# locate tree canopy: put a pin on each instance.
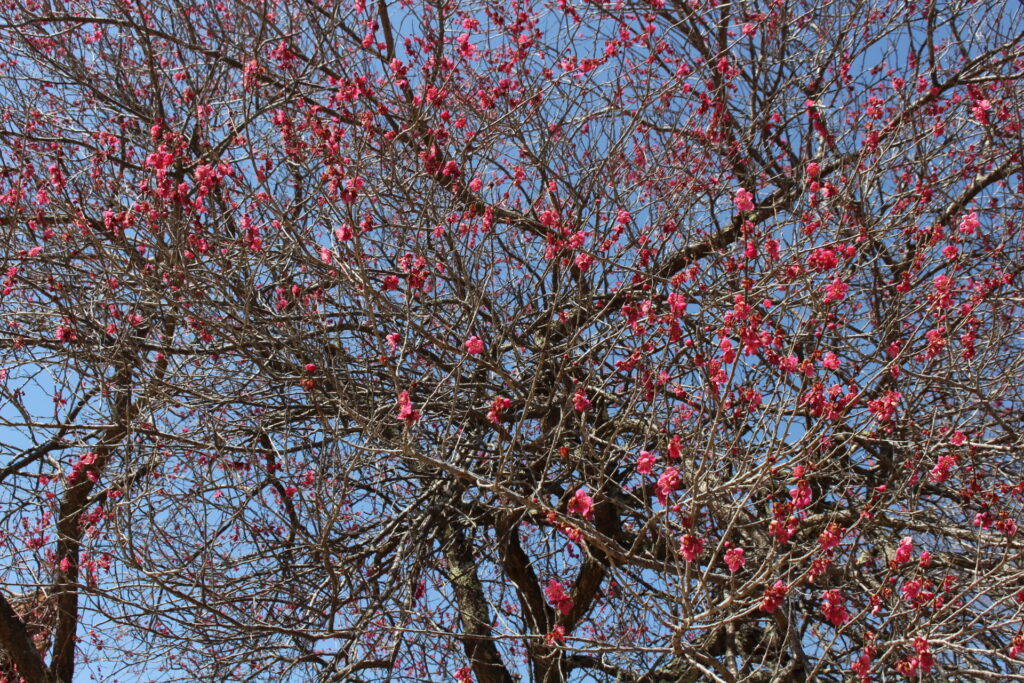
(654, 341)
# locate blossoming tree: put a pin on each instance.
(655, 341)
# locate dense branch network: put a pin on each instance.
(648, 342)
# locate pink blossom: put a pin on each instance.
(801, 495)
(1017, 645)
(910, 590)
(743, 200)
(343, 233)
(675, 448)
(451, 168)
(734, 559)
(831, 361)
(498, 406)
(1008, 527)
(862, 667)
(834, 609)
(924, 656)
(884, 408)
(823, 259)
(645, 462)
(667, 484)
(584, 261)
(466, 48)
(728, 352)
(830, 537)
(474, 345)
(905, 550)
(557, 597)
(690, 547)
(405, 409)
(66, 333)
(580, 401)
(556, 636)
(969, 223)
(836, 291)
(581, 504)
(783, 529)
(56, 176)
(774, 596)
(943, 465)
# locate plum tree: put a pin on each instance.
(658, 341)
